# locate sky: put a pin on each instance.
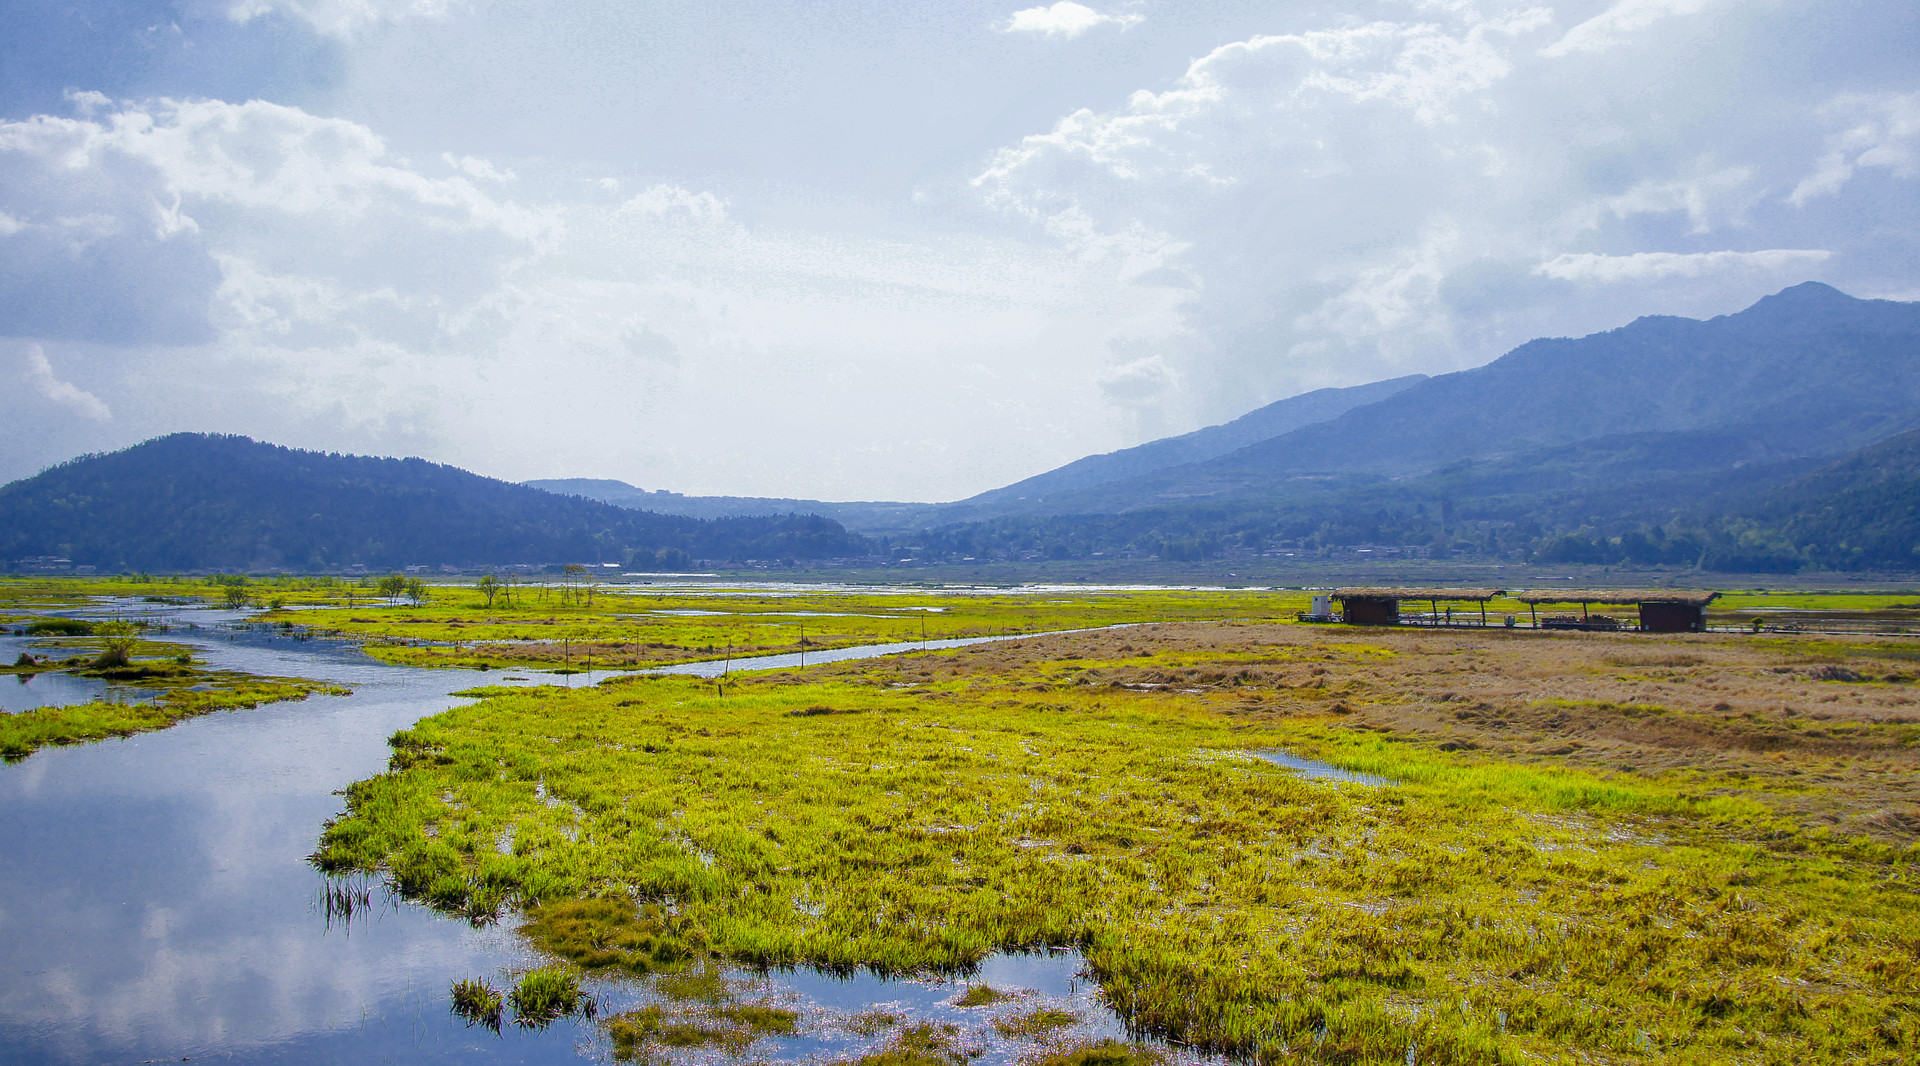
(902, 250)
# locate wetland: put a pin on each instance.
(1210, 833)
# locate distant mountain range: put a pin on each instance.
(196, 501)
(1781, 437)
(1666, 440)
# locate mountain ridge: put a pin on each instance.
(207, 501)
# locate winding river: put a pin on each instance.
(156, 905)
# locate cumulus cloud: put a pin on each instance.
(64, 393)
(1653, 266)
(1064, 19)
(162, 221)
(1405, 190)
(1617, 25)
(1883, 131)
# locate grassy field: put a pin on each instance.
(644, 627)
(1595, 847)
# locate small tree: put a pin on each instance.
(489, 587)
(393, 586)
(416, 591)
(235, 596)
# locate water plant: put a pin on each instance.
(549, 993)
(478, 1002)
(979, 996)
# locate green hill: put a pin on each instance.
(196, 501)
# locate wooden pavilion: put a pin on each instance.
(1661, 610)
(1381, 606)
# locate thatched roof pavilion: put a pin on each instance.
(1690, 597)
(1661, 610)
(1447, 595)
(1381, 606)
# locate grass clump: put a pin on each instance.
(1105, 1053)
(979, 996)
(1035, 1023)
(924, 1044)
(734, 1027)
(547, 994)
(478, 1003)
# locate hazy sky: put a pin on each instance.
(898, 250)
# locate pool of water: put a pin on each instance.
(156, 903)
(1314, 768)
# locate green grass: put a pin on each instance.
(622, 631)
(1475, 911)
(547, 994)
(478, 1003)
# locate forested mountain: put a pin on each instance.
(1261, 424)
(1810, 370)
(856, 515)
(193, 501)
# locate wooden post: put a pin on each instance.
(1483, 614)
(1534, 610)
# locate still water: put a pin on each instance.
(156, 905)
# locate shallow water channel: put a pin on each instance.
(155, 901)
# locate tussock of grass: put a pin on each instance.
(734, 1027)
(547, 994)
(979, 996)
(925, 1044)
(478, 1003)
(1035, 1023)
(1105, 1053)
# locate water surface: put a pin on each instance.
(156, 902)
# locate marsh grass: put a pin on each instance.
(1035, 1023)
(733, 1027)
(632, 631)
(1493, 906)
(341, 900)
(547, 994)
(186, 693)
(478, 1003)
(979, 996)
(872, 1022)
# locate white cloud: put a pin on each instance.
(661, 200)
(478, 168)
(1715, 197)
(1654, 266)
(1064, 19)
(10, 225)
(1884, 131)
(1618, 24)
(340, 18)
(66, 394)
(1140, 383)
